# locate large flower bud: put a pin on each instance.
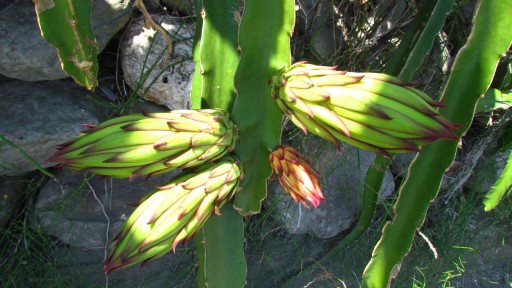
(148, 144)
(371, 111)
(174, 213)
(296, 175)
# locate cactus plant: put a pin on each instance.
(244, 69)
(67, 26)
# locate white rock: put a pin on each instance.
(160, 77)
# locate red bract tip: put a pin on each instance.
(134, 204)
(132, 177)
(174, 244)
(90, 126)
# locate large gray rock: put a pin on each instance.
(79, 267)
(27, 56)
(81, 212)
(342, 178)
(389, 14)
(162, 77)
(316, 21)
(274, 255)
(37, 116)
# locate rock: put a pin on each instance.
(391, 13)
(487, 263)
(184, 7)
(68, 209)
(315, 21)
(274, 255)
(79, 267)
(342, 179)
(11, 196)
(324, 43)
(166, 79)
(27, 56)
(38, 116)
(6, 4)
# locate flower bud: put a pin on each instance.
(296, 175)
(174, 213)
(149, 144)
(371, 111)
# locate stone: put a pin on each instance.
(81, 211)
(342, 178)
(184, 7)
(315, 20)
(158, 76)
(37, 116)
(27, 56)
(79, 267)
(488, 261)
(324, 43)
(468, 10)
(391, 14)
(274, 255)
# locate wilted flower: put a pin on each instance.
(174, 213)
(148, 144)
(371, 111)
(296, 175)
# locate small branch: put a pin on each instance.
(108, 227)
(430, 245)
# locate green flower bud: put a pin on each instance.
(371, 111)
(174, 213)
(149, 144)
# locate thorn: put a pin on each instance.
(134, 204)
(90, 126)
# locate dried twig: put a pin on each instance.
(147, 18)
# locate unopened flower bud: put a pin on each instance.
(296, 175)
(174, 213)
(371, 111)
(149, 144)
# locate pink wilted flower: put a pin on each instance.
(296, 175)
